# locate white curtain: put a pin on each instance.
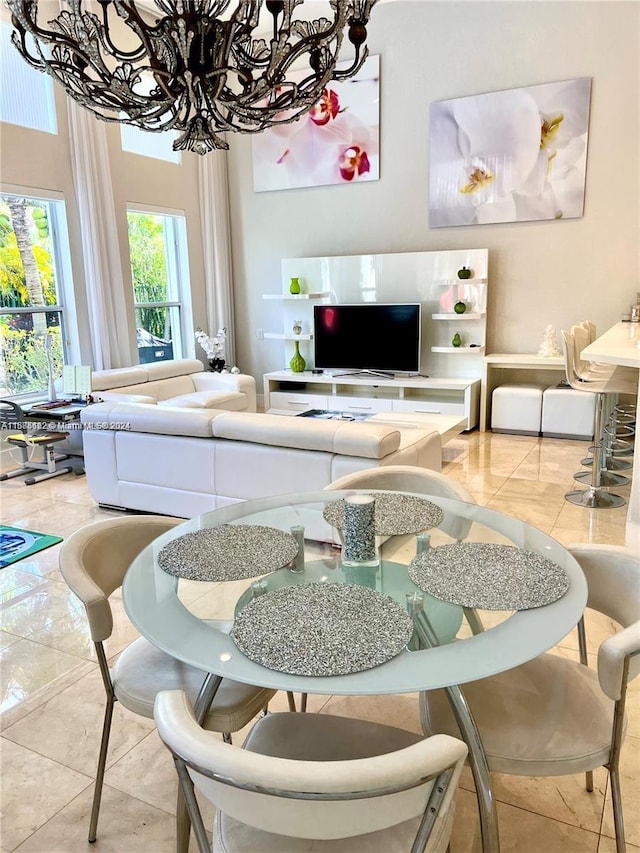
(108, 321)
(216, 246)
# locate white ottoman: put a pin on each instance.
(517, 409)
(567, 413)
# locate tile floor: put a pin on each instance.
(51, 695)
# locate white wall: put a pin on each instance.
(556, 272)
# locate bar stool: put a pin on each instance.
(594, 497)
(588, 371)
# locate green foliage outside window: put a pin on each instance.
(149, 270)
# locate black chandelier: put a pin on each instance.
(199, 69)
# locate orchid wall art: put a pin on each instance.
(337, 142)
(510, 156)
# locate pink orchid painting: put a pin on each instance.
(336, 142)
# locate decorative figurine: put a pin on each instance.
(549, 347)
(460, 307)
(465, 273)
(297, 327)
(456, 340)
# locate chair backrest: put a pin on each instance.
(580, 337)
(568, 352)
(310, 799)
(11, 416)
(94, 561)
(409, 478)
(591, 329)
(613, 578)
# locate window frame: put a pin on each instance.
(176, 250)
(61, 258)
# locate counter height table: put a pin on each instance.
(620, 345)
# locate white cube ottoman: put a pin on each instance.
(567, 413)
(517, 409)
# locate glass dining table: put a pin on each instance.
(206, 622)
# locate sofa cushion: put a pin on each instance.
(138, 417)
(232, 401)
(104, 380)
(163, 389)
(171, 367)
(353, 439)
(122, 397)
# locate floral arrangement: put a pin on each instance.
(213, 346)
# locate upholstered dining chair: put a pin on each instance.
(410, 478)
(555, 716)
(93, 562)
(315, 776)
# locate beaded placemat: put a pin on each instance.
(322, 629)
(228, 553)
(488, 576)
(395, 514)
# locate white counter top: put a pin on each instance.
(619, 345)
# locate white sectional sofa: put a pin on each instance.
(177, 383)
(182, 462)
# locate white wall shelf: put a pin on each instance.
(463, 317)
(283, 336)
(446, 282)
(460, 350)
(294, 297)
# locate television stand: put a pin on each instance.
(286, 392)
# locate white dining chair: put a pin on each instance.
(411, 478)
(315, 776)
(554, 716)
(93, 562)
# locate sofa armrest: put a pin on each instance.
(241, 382)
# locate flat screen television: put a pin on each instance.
(371, 336)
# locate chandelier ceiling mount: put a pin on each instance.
(199, 68)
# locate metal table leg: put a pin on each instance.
(206, 696)
(471, 736)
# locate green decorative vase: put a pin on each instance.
(297, 363)
(456, 340)
(294, 287)
(460, 307)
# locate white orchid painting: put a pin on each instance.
(336, 142)
(509, 156)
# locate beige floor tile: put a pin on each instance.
(126, 825)
(533, 490)
(67, 728)
(478, 481)
(630, 785)
(392, 710)
(66, 518)
(570, 536)
(14, 503)
(16, 584)
(38, 611)
(26, 667)
(520, 831)
(608, 845)
(541, 514)
(44, 563)
(7, 639)
(39, 789)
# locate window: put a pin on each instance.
(36, 111)
(148, 144)
(34, 263)
(159, 270)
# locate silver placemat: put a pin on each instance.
(228, 553)
(488, 576)
(395, 514)
(322, 629)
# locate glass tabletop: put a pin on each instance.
(191, 620)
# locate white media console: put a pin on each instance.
(286, 392)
